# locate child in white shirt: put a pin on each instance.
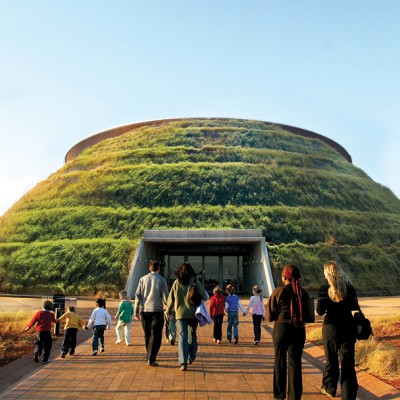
(100, 320)
(257, 302)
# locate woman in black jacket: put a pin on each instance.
(287, 308)
(337, 300)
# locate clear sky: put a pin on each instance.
(71, 69)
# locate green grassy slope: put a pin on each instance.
(80, 226)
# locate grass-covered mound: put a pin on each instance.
(79, 228)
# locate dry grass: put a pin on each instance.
(314, 333)
(378, 358)
(13, 341)
(378, 355)
(15, 321)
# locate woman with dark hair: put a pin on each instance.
(286, 307)
(178, 300)
(336, 301)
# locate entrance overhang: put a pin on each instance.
(250, 241)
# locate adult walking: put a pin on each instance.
(178, 300)
(287, 308)
(337, 300)
(150, 298)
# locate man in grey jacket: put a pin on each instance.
(150, 299)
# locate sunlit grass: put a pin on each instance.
(12, 337)
(376, 357)
(15, 321)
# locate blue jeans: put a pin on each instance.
(187, 345)
(233, 322)
(98, 336)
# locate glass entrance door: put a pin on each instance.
(211, 270)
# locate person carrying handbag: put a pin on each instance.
(336, 301)
(187, 322)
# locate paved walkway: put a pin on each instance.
(242, 371)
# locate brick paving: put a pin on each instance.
(242, 371)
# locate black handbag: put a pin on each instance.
(362, 325)
(308, 311)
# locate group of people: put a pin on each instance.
(287, 307)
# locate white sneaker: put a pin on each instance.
(118, 341)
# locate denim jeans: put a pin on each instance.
(187, 346)
(233, 322)
(170, 327)
(98, 336)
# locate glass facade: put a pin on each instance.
(211, 270)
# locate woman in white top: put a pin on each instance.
(257, 302)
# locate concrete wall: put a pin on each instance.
(257, 272)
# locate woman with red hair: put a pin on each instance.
(286, 307)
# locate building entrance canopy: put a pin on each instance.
(219, 257)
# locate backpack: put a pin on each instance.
(194, 297)
(362, 325)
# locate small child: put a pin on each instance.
(43, 341)
(257, 302)
(217, 312)
(72, 323)
(170, 328)
(100, 320)
(124, 316)
(232, 306)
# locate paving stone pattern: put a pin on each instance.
(241, 371)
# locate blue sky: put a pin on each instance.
(71, 69)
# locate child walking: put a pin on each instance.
(124, 316)
(257, 302)
(100, 320)
(217, 312)
(232, 306)
(43, 341)
(170, 328)
(72, 323)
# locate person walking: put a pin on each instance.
(336, 301)
(43, 341)
(150, 299)
(217, 312)
(124, 317)
(100, 320)
(72, 323)
(257, 303)
(286, 307)
(232, 306)
(178, 300)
